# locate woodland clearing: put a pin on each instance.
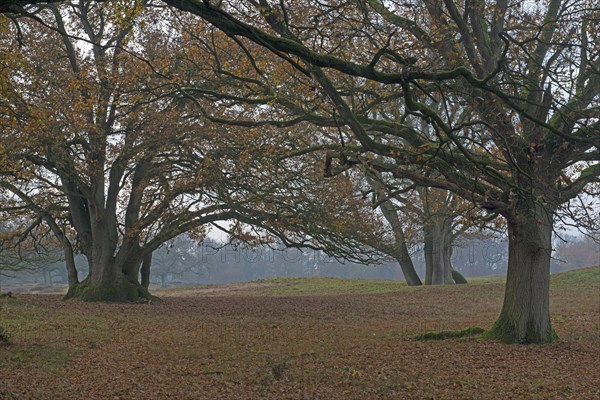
(317, 338)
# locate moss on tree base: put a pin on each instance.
(124, 291)
(509, 334)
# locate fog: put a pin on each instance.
(184, 262)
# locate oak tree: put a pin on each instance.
(525, 144)
(113, 154)
(525, 77)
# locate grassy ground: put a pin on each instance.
(298, 338)
(332, 286)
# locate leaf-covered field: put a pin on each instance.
(298, 339)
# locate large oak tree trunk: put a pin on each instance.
(438, 251)
(525, 315)
(113, 274)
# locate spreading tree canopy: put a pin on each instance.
(102, 146)
(510, 92)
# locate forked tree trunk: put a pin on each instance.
(111, 282)
(525, 315)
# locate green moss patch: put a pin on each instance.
(441, 335)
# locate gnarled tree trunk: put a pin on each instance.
(112, 281)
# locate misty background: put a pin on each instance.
(184, 261)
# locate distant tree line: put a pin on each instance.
(185, 262)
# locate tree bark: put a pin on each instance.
(408, 269)
(525, 315)
(72, 275)
(145, 271)
(428, 252)
(438, 249)
(402, 255)
(447, 253)
(400, 250)
(437, 256)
